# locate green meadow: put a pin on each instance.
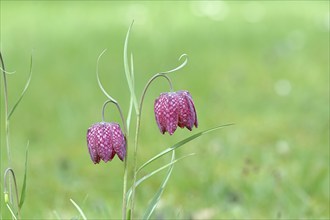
(262, 65)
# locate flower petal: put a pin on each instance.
(92, 144)
(187, 113)
(172, 112)
(118, 141)
(105, 145)
(159, 106)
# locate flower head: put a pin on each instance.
(174, 109)
(104, 140)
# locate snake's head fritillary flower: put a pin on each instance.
(174, 109)
(104, 141)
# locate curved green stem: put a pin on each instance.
(112, 100)
(6, 192)
(5, 87)
(138, 120)
(119, 110)
(125, 160)
(98, 78)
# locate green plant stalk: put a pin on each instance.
(6, 121)
(138, 115)
(79, 209)
(124, 205)
(136, 139)
(11, 171)
(6, 109)
(135, 162)
(125, 127)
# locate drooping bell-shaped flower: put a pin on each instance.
(104, 141)
(174, 109)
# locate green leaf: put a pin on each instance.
(79, 209)
(58, 217)
(128, 214)
(142, 179)
(153, 204)
(23, 93)
(98, 78)
(22, 199)
(181, 143)
(11, 212)
(128, 73)
(131, 102)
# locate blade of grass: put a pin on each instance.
(79, 209)
(128, 120)
(58, 217)
(98, 78)
(7, 72)
(142, 179)
(11, 211)
(181, 143)
(22, 199)
(153, 203)
(24, 91)
(128, 73)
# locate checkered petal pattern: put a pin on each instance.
(174, 109)
(104, 141)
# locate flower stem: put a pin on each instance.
(6, 108)
(6, 121)
(138, 122)
(125, 160)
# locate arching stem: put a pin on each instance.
(138, 120)
(119, 110)
(5, 87)
(6, 191)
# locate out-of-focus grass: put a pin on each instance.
(262, 65)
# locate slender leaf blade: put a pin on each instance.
(181, 143)
(23, 92)
(98, 78)
(131, 102)
(79, 209)
(23, 193)
(142, 179)
(11, 212)
(128, 73)
(153, 204)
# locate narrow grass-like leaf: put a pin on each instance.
(142, 179)
(7, 72)
(11, 211)
(23, 92)
(129, 116)
(129, 214)
(181, 143)
(153, 203)
(128, 72)
(22, 199)
(98, 78)
(79, 209)
(58, 217)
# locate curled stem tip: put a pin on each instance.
(98, 77)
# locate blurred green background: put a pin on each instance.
(261, 65)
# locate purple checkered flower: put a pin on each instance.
(104, 140)
(174, 109)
